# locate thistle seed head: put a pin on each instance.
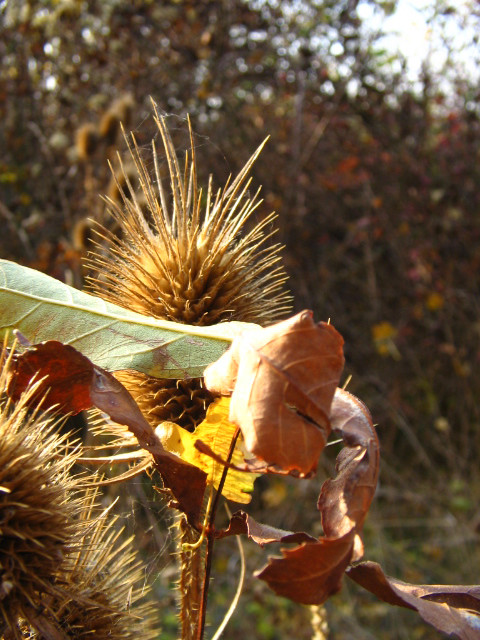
(184, 402)
(104, 584)
(99, 588)
(109, 126)
(123, 106)
(187, 261)
(38, 504)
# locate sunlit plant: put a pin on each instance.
(183, 350)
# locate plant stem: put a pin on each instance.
(319, 622)
(192, 567)
(47, 628)
(211, 539)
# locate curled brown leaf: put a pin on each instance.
(62, 373)
(451, 609)
(312, 572)
(344, 500)
(282, 380)
(262, 534)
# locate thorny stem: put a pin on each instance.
(210, 532)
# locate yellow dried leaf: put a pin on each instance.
(217, 432)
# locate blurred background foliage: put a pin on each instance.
(376, 180)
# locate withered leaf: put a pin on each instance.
(186, 481)
(344, 500)
(243, 523)
(311, 573)
(450, 609)
(219, 431)
(70, 382)
(282, 380)
(62, 372)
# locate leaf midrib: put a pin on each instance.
(130, 317)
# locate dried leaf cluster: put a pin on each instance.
(285, 377)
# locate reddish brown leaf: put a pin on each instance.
(344, 500)
(186, 481)
(282, 380)
(262, 534)
(311, 573)
(64, 372)
(71, 382)
(450, 609)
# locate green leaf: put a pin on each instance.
(43, 308)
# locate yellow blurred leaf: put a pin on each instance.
(25, 199)
(435, 301)
(217, 432)
(383, 331)
(383, 335)
(8, 177)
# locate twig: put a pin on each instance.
(47, 152)
(19, 231)
(238, 592)
(211, 539)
